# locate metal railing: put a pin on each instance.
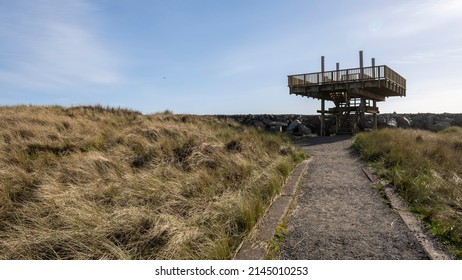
(381, 72)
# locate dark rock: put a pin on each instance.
(276, 123)
(439, 126)
(293, 126)
(275, 129)
(303, 130)
(392, 123)
(382, 120)
(369, 124)
(257, 124)
(403, 122)
(458, 120)
(430, 121)
(265, 120)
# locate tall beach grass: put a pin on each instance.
(91, 182)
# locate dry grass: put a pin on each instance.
(103, 183)
(426, 168)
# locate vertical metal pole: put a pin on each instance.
(361, 64)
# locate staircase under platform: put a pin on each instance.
(350, 113)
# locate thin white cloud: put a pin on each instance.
(448, 54)
(412, 17)
(53, 44)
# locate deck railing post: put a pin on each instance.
(373, 67)
(337, 68)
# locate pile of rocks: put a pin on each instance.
(427, 121)
(294, 124)
(311, 124)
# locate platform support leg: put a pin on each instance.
(362, 114)
(323, 117)
(374, 117)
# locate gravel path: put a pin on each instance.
(339, 214)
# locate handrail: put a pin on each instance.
(380, 72)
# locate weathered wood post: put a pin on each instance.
(323, 102)
(337, 116)
(374, 103)
(362, 106)
(373, 67)
(337, 69)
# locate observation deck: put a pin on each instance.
(374, 83)
(354, 91)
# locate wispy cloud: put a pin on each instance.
(53, 44)
(449, 54)
(413, 17)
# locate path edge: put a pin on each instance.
(254, 245)
(431, 246)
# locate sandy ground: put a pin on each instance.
(339, 215)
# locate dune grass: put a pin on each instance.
(106, 183)
(426, 168)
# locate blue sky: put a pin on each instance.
(222, 56)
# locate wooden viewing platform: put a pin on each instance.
(352, 90)
(374, 83)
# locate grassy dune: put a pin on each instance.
(102, 183)
(426, 168)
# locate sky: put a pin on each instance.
(223, 56)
